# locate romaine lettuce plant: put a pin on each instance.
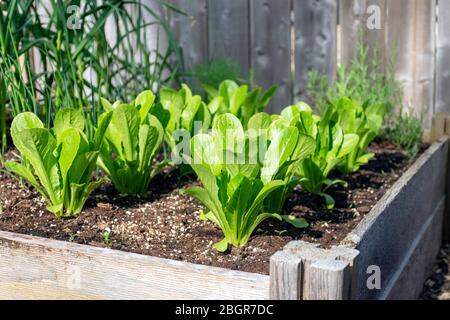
(365, 121)
(61, 160)
(332, 146)
(282, 157)
(238, 100)
(236, 184)
(132, 140)
(183, 111)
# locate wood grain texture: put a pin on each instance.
(329, 280)
(411, 29)
(447, 124)
(442, 99)
(406, 284)
(438, 126)
(413, 198)
(285, 276)
(436, 152)
(425, 62)
(312, 253)
(191, 31)
(356, 19)
(229, 31)
(270, 49)
(446, 233)
(38, 268)
(315, 40)
(351, 19)
(401, 20)
(375, 38)
(351, 256)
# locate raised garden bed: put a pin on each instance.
(400, 234)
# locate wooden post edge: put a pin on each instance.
(285, 276)
(446, 222)
(329, 280)
(440, 126)
(303, 271)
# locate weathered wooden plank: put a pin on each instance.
(315, 40)
(438, 126)
(191, 31)
(442, 100)
(351, 17)
(447, 124)
(352, 257)
(329, 280)
(375, 32)
(285, 276)
(362, 20)
(311, 253)
(38, 268)
(411, 28)
(228, 31)
(400, 22)
(406, 284)
(416, 198)
(270, 52)
(425, 58)
(446, 233)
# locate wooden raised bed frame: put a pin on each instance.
(401, 235)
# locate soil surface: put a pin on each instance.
(166, 224)
(437, 287)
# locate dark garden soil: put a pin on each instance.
(437, 287)
(164, 223)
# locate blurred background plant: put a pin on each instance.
(56, 54)
(368, 82)
(406, 131)
(364, 81)
(212, 74)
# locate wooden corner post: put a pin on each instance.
(303, 271)
(285, 276)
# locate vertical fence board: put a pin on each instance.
(375, 9)
(228, 31)
(351, 16)
(400, 35)
(376, 34)
(442, 100)
(191, 31)
(358, 16)
(315, 40)
(411, 28)
(425, 60)
(270, 48)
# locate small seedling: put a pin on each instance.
(107, 237)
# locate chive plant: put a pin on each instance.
(77, 62)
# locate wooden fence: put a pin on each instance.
(282, 40)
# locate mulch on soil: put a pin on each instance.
(437, 287)
(166, 224)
